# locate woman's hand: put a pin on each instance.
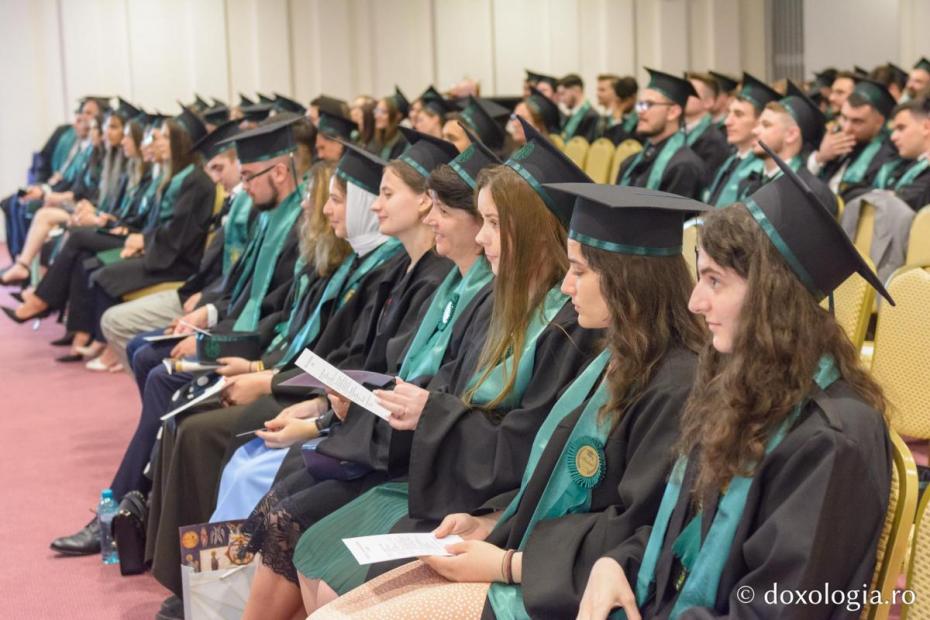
(191, 304)
(313, 408)
(471, 561)
(184, 348)
(247, 388)
(338, 404)
(133, 245)
(119, 230)
(232, 366)
(607, 589)
(467, 526)
(285, 433)
(405, 402)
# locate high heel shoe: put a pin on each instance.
(11, 312)
(18, 297)
(21, 282)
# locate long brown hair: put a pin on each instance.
(318, 242)
(740, 398)
(532, 261)
(179, 141)
(383, 136)
(648, 301)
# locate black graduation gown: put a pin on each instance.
(684, 174)
(211, 263)
(617, 134)
(813, 515)
(755, 180)
(850, 191)
(712, 149)
(917, 192)
(173, 248)
(588, 127)
(44, 169)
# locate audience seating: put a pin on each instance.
(577, 150)
(597, 164)
(689, 244)
(624, 149)
(918, 570)
(853, 301)
(918, 243)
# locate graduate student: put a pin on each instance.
(581, 118)
(620, 122)
(910, 134)
(539, 111)
(388, 143)
(783, 436)
(710, 146)
(433, 112)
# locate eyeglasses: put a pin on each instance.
(248, 178)
(645, 106)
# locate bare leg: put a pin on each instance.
(272, 596)
(308, 589)
(43, 222)
(324, 594)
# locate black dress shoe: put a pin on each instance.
(70, 358)
(18, 297)
(11, 312)
(64, 341)
(84, 542)
(172, 608)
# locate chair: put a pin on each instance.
(689, 244)
(865, 229)
(624, 149)
(576, 150)
(901, 359)
(918, 569)
(600, 155)
(896, 530)
(853, 301)
(918, 244)
(840, 207)
(557, 140)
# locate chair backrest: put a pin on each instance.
(853, 301)
(918, 244)
(557, 140)
(901, 360)
(624, 149)
(689, 244)
(597, 164)
(840, 207)
(577, 150)
(896, 529)
(918, 569)
(865, 228)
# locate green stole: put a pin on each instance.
(165, 210)
(571, 125)
(856, 170)
(129, 194)
(703, 562)
(568, 490)
(671, 146)
(77, 163)
(695, 134)
(62, 148)
(236, 229)
(279, 223)
(429, 345)
(883, 180)
(630, 121)
(150, 195)
(342, 284)
(730, 193)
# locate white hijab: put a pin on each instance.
(361, 222)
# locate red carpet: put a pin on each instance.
(62, 432)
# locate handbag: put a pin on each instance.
(323, 467)
(129, 533)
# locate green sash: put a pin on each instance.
(280, 221)
(571, 125)
(630, 121)
(568, 490)
(62, 148)
(856, 170)
(283, 328)
(705, 561)
(695, 134)
(494, 383)
(122, 209)
(342, 284)
(166, 204)
(150, 195)
(883, 180)
(429, 345)
(236, 229)
(671, 146)
(730, 192)
(77, 163)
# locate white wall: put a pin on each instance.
(854, 32)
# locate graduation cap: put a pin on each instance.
(400, 101)
(157, 118)
(757, 92)
(264, 142)
(825, 78)
(806, 234)
(361, 168)
(859, 72)
(900, 75)
(287, 104)
(256, 112)
(437, 104)
(331, 105)
(264, 98)
(200, 104)
(126, 109)
(676, 89)
(876, 94)
(538, 162)
(482, 115)
(216, 115)
(546, 108)
(217, 140)
(426, 152)
(535, 78)
(191, 122)
(335, 125)
(726, 83)
(245, 101)
(923, 63)
(627, 220)
(473, 159)
(217, 102)
(807, 114)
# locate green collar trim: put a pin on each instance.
(622, 248)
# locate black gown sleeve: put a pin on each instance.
(916, 193)
(684, 175)
(181, 238)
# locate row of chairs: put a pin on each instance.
(918, 244)
(600, 159)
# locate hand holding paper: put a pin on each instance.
(340, 382)
(383, 548)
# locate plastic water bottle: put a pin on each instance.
(106, 510)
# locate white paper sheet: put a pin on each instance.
(214, 389)
(386, 547)
(166, 337)
(338, 381)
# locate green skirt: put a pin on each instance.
(321, 554)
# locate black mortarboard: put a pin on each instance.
(473, 159)
(482, 115)
(286, 104)
(264, 142)
(876, 94)
(806, 234)
(757, 91)
(400, 101)
(900, 75)
(191, 122)
(546, 108)
(335, 125)
(216, 115)
(727, 84)
(244, 101)
(256, 112)
(807, 114)
(426, 152)
(155, 119)
(361, 168)
(217, 102)
(825, 78)
(675, 88)
(923, 63)
(200, 104)
(126, 109)
(539, 162)
(627, 220)
(433, 100)
(859, 72)
(264, 98)
(210, 145)
(535, 78)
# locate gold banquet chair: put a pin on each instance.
(557, 140)
(865, 228)
(896, 529)
(852, 302)
(689, 239)
(576, 150)
(918, 570)
(597, 164)
(624, 150)
(918, 243)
